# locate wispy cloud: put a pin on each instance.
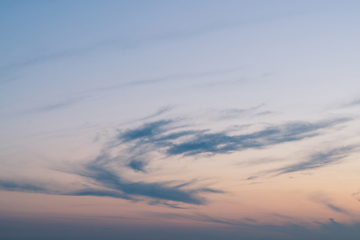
(36, 187)
(318, 160)
(200, 218)
(157, 190)
(148, 130)
(158, 113)
(357, 194)
(167, 138)
(224, 143)
(112, 185)
(167, 78)
(234, 113)
(123, 42)
(251, 178)
(355, 102)
(321, 199)
(59, 105)
(20, 186)
(98, 193)
(137, 165)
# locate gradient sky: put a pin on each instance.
(180, 119)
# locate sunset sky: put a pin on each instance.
(180, 119)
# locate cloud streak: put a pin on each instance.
(59, 105)
(109, 179)
(221, 142)
(19, 186)
(317, 160)
(322, 200)
(165, 137)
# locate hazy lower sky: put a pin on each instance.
(179, 120)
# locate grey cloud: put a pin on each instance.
(168, 139)
(335, 208)
(318, 160)
(165, 137)
(169, 78)
(252, 178)
(128, 43)
(264, 113)
(147, 130)
(262, 161)
(209, 190)
(352, 103)
(20, 186)
(199, 217)
(250, 220)
(234, 113)
(355, 102)
(173, 206)
(27, 186)
(205, 143)
(109, 179)
(136, 165)
(158, 113)
(321, 199)
(166, 203)
(59, 105)
(282, 216)
(134, 41)
(56, 106)
(223, 143)
(113, 186)
(355, 194)
(99, 193)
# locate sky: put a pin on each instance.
(179, 119)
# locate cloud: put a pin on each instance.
(134, 148)
(264, 113)
(20, 186)
(137, 166)
(109, 179)
(158, 113)
(166, 203)
(200, 218)
(352, 103)
(27, 186)
(99, 193)
(168, 78)
(224, 143)
(111, 185)
(355, 194)
(318, 160)
(148, 130)
(335, 208)
(234, 113)
(164, 136)
(59, 105)
(251, 178)
(326, 202)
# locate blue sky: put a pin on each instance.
(221, 119)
